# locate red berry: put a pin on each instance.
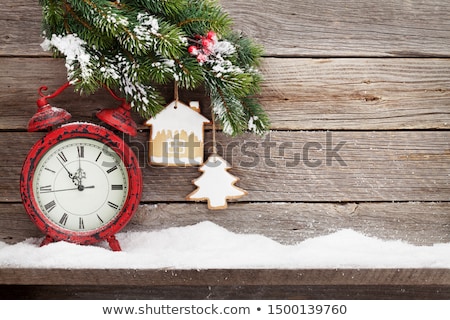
(212, 36)
(208, 44)
(193, 50)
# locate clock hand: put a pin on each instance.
(80, 174)
(65, 168)
(79, 188)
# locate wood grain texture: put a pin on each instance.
(308, 28)
(345, 28)
(292, 223)
(357, 94)
(297, 94)
(287, 223)
(20, 22)
(228, 277)
(292, 166)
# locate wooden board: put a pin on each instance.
(233, 277)
(225, 284)
(308, 28)
(346, 28)
(292, 223)
(357, 94)
(297, 94)
(292, 166)
(287, 223)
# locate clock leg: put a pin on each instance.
(47, 240)
(114, 243)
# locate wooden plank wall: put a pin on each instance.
(359, 97)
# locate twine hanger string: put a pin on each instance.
(214, 132)
(175, 93)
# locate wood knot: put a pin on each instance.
(371, 98)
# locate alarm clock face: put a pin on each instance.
(81, 183)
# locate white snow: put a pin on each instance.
(149, 21)
(74, 49)
(177, 117)
(207, 245)
(252, 124)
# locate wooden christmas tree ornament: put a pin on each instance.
(216, 184)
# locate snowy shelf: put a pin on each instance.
(225, 283)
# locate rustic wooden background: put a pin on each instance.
(367, 79)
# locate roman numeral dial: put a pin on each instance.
(63, 219)
(81, 184)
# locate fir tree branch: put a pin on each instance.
(74, 15)
(132, 45)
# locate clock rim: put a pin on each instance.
(90, 131)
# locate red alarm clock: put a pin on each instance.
(81, 183)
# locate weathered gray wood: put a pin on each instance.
(292, 166)
(219, 277)
(291, 223)
(298, 94)
(345, 28)
(368, 94)
(295, 28)
(15, 225)
(288, 223)
(20, 22)
(20, 79)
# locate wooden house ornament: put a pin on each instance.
(177, 135)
